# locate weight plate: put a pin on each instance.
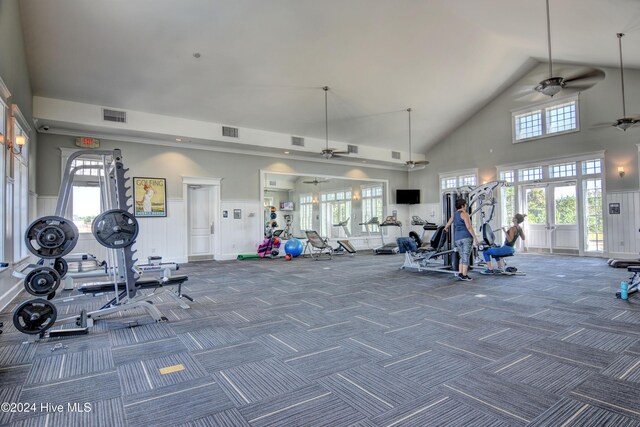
(42, 281)
(60, 265)
(34, 316)
(115, 229)
(51, 237)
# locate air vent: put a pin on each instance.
(297, 140)
(229, 131)
(272, 183)
(352, 149)
(114, 116)
(395, 155)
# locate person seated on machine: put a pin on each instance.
(507, 249)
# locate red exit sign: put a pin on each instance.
(88, 142)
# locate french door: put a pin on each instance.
(552, 216)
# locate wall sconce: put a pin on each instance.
(20, 141)
(356, 196)
(314, 201)
(621, 171)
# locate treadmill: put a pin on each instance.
(388, 248)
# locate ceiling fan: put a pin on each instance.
(314, 182)
(625, 122)
(578, 81)
(410, 163)
(328, 153)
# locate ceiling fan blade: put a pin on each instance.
(583, 76)
(422, 162)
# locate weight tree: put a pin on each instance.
(50, 238)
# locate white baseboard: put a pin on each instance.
(10, 295)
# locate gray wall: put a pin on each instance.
(240, 173)
(490, 129)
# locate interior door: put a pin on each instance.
(201, 226)
(536, 226)
(563, 224)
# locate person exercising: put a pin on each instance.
(507, 248)
(464, 235)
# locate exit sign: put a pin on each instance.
(88, 142)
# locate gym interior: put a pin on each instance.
(233, 213)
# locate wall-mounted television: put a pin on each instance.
(286, 206)
(407, 197)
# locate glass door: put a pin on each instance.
(536, 225)
(563, 221)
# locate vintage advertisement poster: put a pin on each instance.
(150, 197)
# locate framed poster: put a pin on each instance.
(614, 208)
(150, 197)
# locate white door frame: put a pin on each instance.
(215, 184)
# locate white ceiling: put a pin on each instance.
(263, 61)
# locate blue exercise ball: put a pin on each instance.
(293, 247)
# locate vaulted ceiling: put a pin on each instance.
(262, 63)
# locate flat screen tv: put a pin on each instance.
(286, 206)
(407, 197)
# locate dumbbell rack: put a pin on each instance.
(51, 237)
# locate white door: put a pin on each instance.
(552, 216)
(201, 225)
(563, 218)
(536, 225)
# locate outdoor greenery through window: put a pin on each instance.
(565, 205)
(507, 197)
(593, 215)
(550, 119)
(536, 205)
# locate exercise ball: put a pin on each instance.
(293, 247)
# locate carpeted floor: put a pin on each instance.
(348, 342)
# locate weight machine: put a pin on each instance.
(51, 238)
(480, 200)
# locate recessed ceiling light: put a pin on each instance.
(364, 161)
(286, 152)
(178, 139)
(196, 55)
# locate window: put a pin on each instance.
(449, 183)
(507, 197)
(371, 206)
(590, 167)
(528, 125)
(547, 120)
(563, 170)
(468, 180)
(306, 212)
(3, 131)
(334, 208)
(530, 174)
(594, 228)
(561, 118)
(507, 176)
(86, 197)
(20, 197)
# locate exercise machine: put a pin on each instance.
(488, 241)
(344, 225)
(420, 258)
(388, 248)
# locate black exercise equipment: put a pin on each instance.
(34, 316)
(51, 237)
(388, 248)
(488, 242)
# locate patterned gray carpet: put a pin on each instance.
(348, 342)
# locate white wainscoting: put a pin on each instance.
(622, 235)
(158, 236)
(239, 236)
